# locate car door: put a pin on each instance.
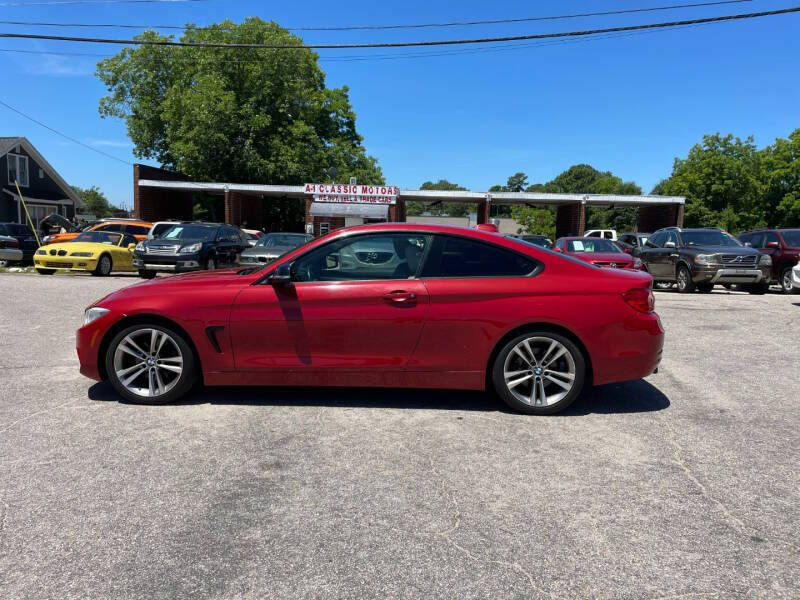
(123, 257)
(653, 255)
(470, 282)
(771, 244)
(354, 304)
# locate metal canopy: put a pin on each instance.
(298, 191)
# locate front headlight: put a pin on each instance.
(191, 248)
(87, 254)
(92, 314)
(41, 252)
(706, 259)
(765, 259)
(140, 247)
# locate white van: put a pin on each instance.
(608, 234)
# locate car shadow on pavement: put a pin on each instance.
(630, 397)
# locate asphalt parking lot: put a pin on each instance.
(685, 484)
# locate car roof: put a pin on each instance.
(583, 237)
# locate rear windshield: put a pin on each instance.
(190, 232)
(15, 229)
(792, 237)
(709, 238)
(593, 245)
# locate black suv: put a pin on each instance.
(700, 258)
(190, 246)
(23, 235)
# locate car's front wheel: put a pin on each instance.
(539, 372)
(150, 364)
(684, 280)
(103, 268)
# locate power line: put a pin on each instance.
(64, 135)
(69, 2)
(401, 26)
(512, 38)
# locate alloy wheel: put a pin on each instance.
(148, 362)
(539, 371)
(105, 265)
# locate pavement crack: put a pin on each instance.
(41, 412)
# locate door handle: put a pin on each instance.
(400, 297)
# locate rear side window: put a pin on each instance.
(461, 257)
(655, 241)
(110, 227)
(136, 229)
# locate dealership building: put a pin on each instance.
(159, 195)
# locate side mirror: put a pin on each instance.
(557, 249)
(669, 245)
(131, 247)
(281, 276)
(332, 261)
(775, 245)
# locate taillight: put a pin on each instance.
(640, 299)
(12, 243)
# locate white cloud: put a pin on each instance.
(108, 143)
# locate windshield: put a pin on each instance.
(99, 237)
(189, 232)
(709, 238)
(592, 245)
(274, 240)
(792, 237)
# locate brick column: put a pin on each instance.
(484, 210)
(570, 219)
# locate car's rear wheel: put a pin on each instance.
(539, 372)
(45, 271)
(684, 280)
(150, 364)
(103, 267)
(146, 274)
(786, 281)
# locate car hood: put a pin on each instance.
(75, 247)
(602, 256)
(743, 250)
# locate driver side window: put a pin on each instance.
(364, 258)
(655, 241)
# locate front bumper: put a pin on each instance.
(69, 263)
(10, 254)
(87, 344)
(716, 274)
(174, 263)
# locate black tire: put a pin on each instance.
(505, 393)
(184, 382)
(786, 281)
(757, 289)
(45, 271)
(146, 274)
(684, 280)
(104, 266)
(210, 264)
(705, 287)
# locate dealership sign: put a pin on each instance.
(352, 193)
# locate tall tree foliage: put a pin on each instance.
(94, 201)
(240, 115)
(452, 209)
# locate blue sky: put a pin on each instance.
(627, 104)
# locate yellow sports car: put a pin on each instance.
(98, 252)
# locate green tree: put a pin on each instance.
(239, 115)
(723, 181)
(94, 201)
(452, 209)
(781, 169)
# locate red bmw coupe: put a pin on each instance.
(391, 305)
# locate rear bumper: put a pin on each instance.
(634, 351)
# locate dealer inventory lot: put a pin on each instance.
(686, 482)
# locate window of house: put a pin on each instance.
(460, 257)
(17, 169)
